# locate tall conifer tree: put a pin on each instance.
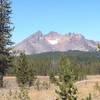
(5, 37)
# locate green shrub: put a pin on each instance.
(24, 71)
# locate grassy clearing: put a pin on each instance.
(11, 90)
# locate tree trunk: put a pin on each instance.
(1, 80)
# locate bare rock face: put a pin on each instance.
(54, 41)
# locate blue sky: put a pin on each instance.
(63, 16)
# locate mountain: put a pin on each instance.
(54, 41)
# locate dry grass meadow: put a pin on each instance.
(84, 88)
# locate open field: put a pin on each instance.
(84, 88)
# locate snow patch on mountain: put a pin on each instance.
(53, 42)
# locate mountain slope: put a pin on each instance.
(53, 41)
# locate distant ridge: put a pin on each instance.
(54, 41)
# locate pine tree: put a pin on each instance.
(66, 78)
(5, 37)
(24, 71)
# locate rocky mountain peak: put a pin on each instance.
(53, 34)
(38, 34)
(53, 41)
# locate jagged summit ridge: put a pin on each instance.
(54, 41)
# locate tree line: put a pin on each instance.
(83, 63)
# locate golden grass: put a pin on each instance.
(84, 88)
